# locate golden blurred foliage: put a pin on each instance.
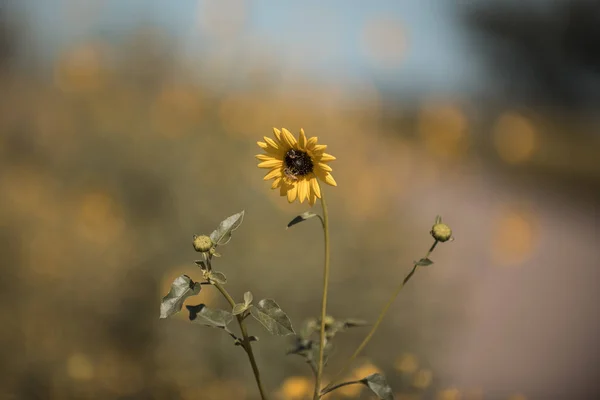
(99, 218)
(82, 68)
(218, 389)
(176, 111)
(384, 41)
(514, 236)
(80, 367)
(514, 137)
(449, 394)
(422, 379)
(443, 127)
(406, 364)
(360, 372)
(296, 388)
(119, 374)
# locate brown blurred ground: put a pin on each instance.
(113, 161)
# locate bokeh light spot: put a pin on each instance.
(406, 363)
(514, 237)
(296, 388)
(99, 218)
(514, 138)
(79, 367)
(449, 394)
(443, 128)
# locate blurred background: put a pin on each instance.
(128, 126)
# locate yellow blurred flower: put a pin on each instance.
(295, 165)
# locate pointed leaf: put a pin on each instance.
(222, 234)
(302, 217)
(423, 262)
(201, 264)
(218, 277)
(239, 308)
(253, 338)
(353, 323)
(181, 288)
(208, 316)
(268, 313)
(248, 298)
(379, 386)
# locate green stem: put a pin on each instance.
(324, 302)
(378, 322)
(246, 344)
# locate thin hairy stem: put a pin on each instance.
(324, 302)
(339, 385)
(246, 344)
(382, 314)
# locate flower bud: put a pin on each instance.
(441, 232)
(202, 243)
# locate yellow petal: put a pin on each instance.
(316, 189)
(319, 147)
(303, 189)
(288, 138)
(277, 134)
(292, 193)
(264, 157)
(311, 142)
(276, 183)
(329, 180)
(312, 198)
(302, 140)
(270, 163)
(324, 167)
(271, 142)
(262, 145)
(275, 173)
(326, 157)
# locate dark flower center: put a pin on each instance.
(297, 163)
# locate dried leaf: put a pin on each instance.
(218, 277)
(239, 308)
(210, 317)
(181, 288)
(222, 235)
(302, 217)
(379, 386)
(268, 313)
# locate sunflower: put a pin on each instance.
(295, 165)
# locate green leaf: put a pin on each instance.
(423, 262)
(201, 264)
(181, 288)
(222, 235)
(218, 277)
(248, 298)
(239, 308)
(379, 386)
(302, 217)
(268, 313)
(210, 317)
